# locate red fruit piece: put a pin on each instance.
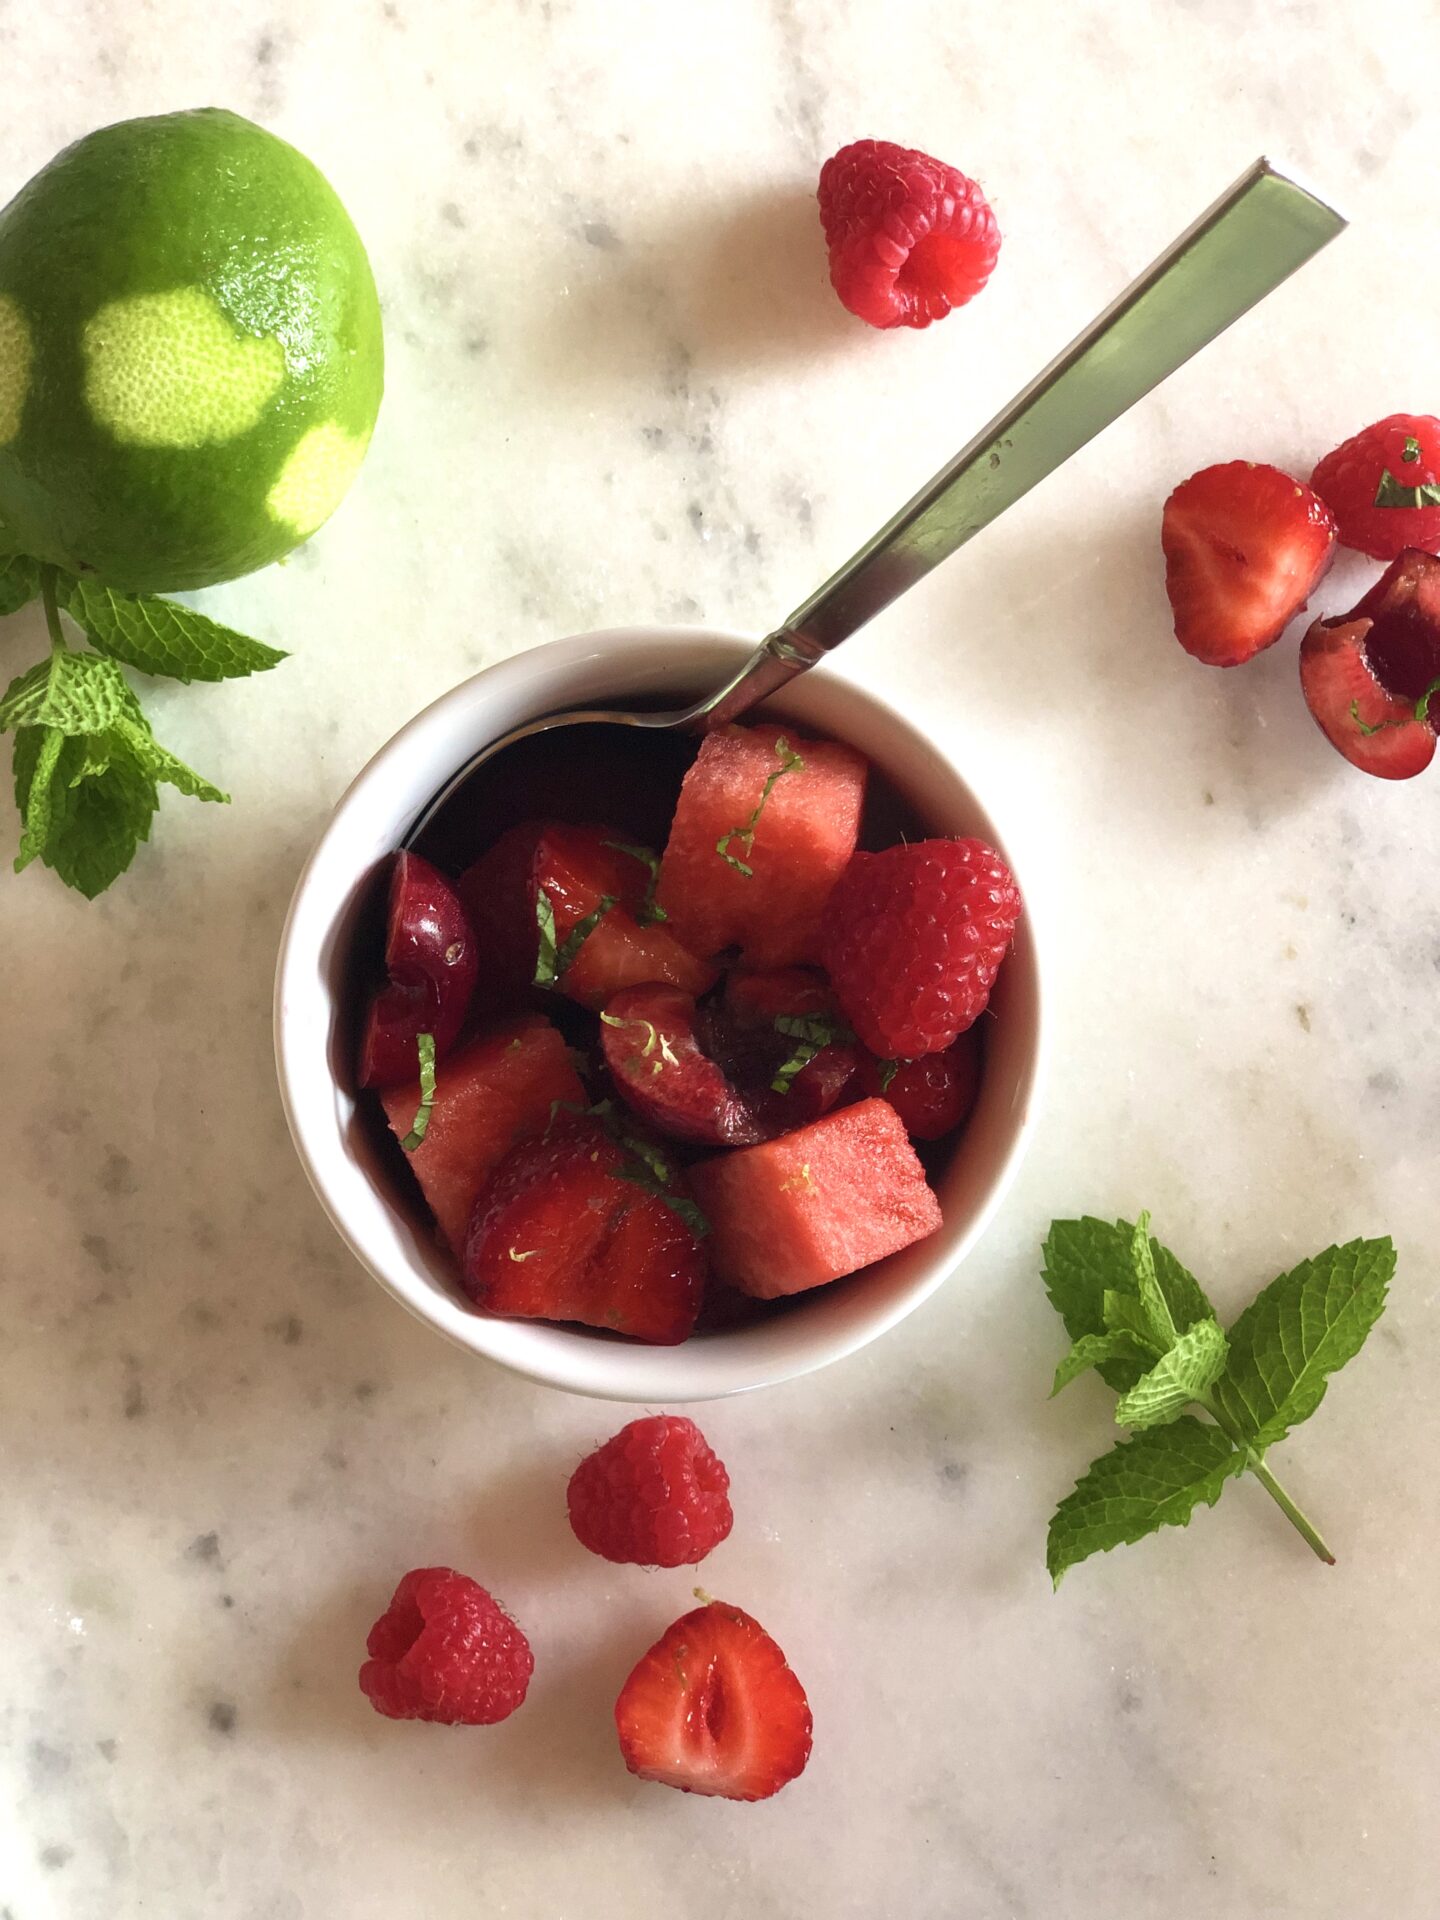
(430, 956)
(444, 1650)
(654, 1496)
(932, 1095)
(765, 823)
(913, 938)
(1245, 546)
(909, 238)
(1371, 677)
(568, 1229)
(590, 949)
(1383, 486)
(492, 1093)
(815, 1204)
(715, 1078)
(771, 1021)
(714, 1708)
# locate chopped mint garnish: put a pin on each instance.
(426, 1045)
(1422, 705)
(648, 913)
(552, 962)
(1411, 449)
(1394, 493)
(790, 762)
(888, 1071)
(811, 1034)
(1135, 1315)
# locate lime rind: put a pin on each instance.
(17, 351)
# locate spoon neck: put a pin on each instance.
(779, 658)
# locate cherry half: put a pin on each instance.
(431, 960)
(1371, 677)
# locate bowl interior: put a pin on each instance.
(387, 1229)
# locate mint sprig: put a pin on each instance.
(790, 762)
(87, 766)
(1143, 1322)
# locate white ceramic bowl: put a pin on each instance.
(389, 1236)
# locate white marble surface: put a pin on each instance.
(619, 389)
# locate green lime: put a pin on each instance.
(190, 353)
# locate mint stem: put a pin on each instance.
(52, 610)
(1255, 1464)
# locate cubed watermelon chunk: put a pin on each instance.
(495, 1091)
(578, 869)
(732, 879)
(815, 1204)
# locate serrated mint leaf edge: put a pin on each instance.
(1208, 1459)
(1292, 1393)
(163, 637)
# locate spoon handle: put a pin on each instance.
(1252, 239)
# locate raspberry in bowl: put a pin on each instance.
(546, 1109)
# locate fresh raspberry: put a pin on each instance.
(932, 1095)
(913, 938)
(1376, 484)
(443, 1650)
(1244, 547)
(654, 1496)
(909, 237)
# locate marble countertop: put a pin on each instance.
(620, 389)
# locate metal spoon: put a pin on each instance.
(1240, 249)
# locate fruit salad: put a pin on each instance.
(648, 1084)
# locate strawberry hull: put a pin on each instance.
(493, 1093)
(730, 879)
(816, 1204)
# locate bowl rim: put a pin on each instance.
(468, 1328)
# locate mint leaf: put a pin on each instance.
(1123, 1313)
(648, 912)
(19, 580)
(552, 962)
(425, 1044)
(73, 692)
(1153, 1302)
(37, 759)
(648, 1166)
(1184, 1373)
(1394, 493)
(1092, 1350)
(888, 1071)
(1295, 1334)
(108, 804)
(134, 729)
(1411, 449)
(1085, 1259)
(580, 933)
(790, 762)
(812, 1033)
(1155, 1479)
(161, 636)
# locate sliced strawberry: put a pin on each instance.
(430, 957)
(1372, 676)
(934, 1094)
(713, 1708)
(572, 1227)
(591, 892)
(1245, 546)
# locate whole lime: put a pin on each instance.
(191, 358)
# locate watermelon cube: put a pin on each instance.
(815, 1204)
(766, 822)
(493, 1092)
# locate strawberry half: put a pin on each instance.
(714, 1708)
(1245, 546)
(1372, 677)
(572, 1227)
